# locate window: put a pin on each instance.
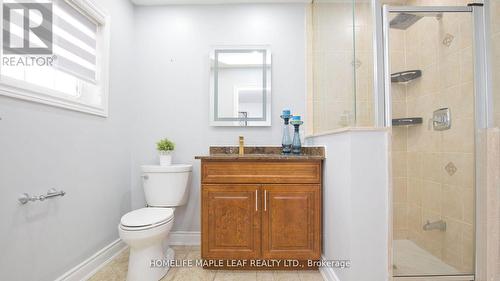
(64, 60)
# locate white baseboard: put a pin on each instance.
(188, 238)
(90, 266)
(328, 273)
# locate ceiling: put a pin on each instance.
(212, 2)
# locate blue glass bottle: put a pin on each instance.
(296, 145)
(286, 141)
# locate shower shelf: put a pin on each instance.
(407, 121)
(405, 76)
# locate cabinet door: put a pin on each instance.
(291, 222)
(230, 221)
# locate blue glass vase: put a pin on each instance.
(296, 144)
(286, 141)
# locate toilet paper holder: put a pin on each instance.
(51, 193)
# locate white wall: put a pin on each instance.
(87, 156)
(355, 203)
(172, 81)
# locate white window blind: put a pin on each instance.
(78, 32)
(75, 41)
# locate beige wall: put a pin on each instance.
(423, 190)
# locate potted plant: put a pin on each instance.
(165, 148)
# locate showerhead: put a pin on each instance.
(404, 20)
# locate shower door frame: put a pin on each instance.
(483, 108)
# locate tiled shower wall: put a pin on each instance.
(335, 103)
(495, 52)
(404, 194)
(495, 43)
(363, 64)
(423, 189)
(399, 138)
(340, 87)
(340, 92)
(332, 71)
(415, 198)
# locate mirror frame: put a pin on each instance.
(265, 119)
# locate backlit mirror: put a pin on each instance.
(240, 87)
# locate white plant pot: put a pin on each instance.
(165, 158)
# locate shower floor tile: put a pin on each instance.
(410, 259)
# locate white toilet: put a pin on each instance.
(146, 230)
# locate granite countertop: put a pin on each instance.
(262, 153)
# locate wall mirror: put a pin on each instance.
(240, 87)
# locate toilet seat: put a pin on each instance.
(146, 218)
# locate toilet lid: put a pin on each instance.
(147, 216)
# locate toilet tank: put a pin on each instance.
(166, 186)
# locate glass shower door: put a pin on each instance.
(430, 57)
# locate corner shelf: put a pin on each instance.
(407, 121)
(405, 76)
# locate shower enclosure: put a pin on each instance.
(434, 81)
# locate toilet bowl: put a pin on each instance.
(146, 230)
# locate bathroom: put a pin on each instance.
(396, 188)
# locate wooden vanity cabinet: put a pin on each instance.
(291, 222)
(231, 221)
(261, 210)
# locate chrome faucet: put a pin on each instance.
(440, 224)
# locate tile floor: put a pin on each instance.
(116, 270)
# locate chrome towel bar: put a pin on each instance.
(51, 193)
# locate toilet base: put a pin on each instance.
(142, 266)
